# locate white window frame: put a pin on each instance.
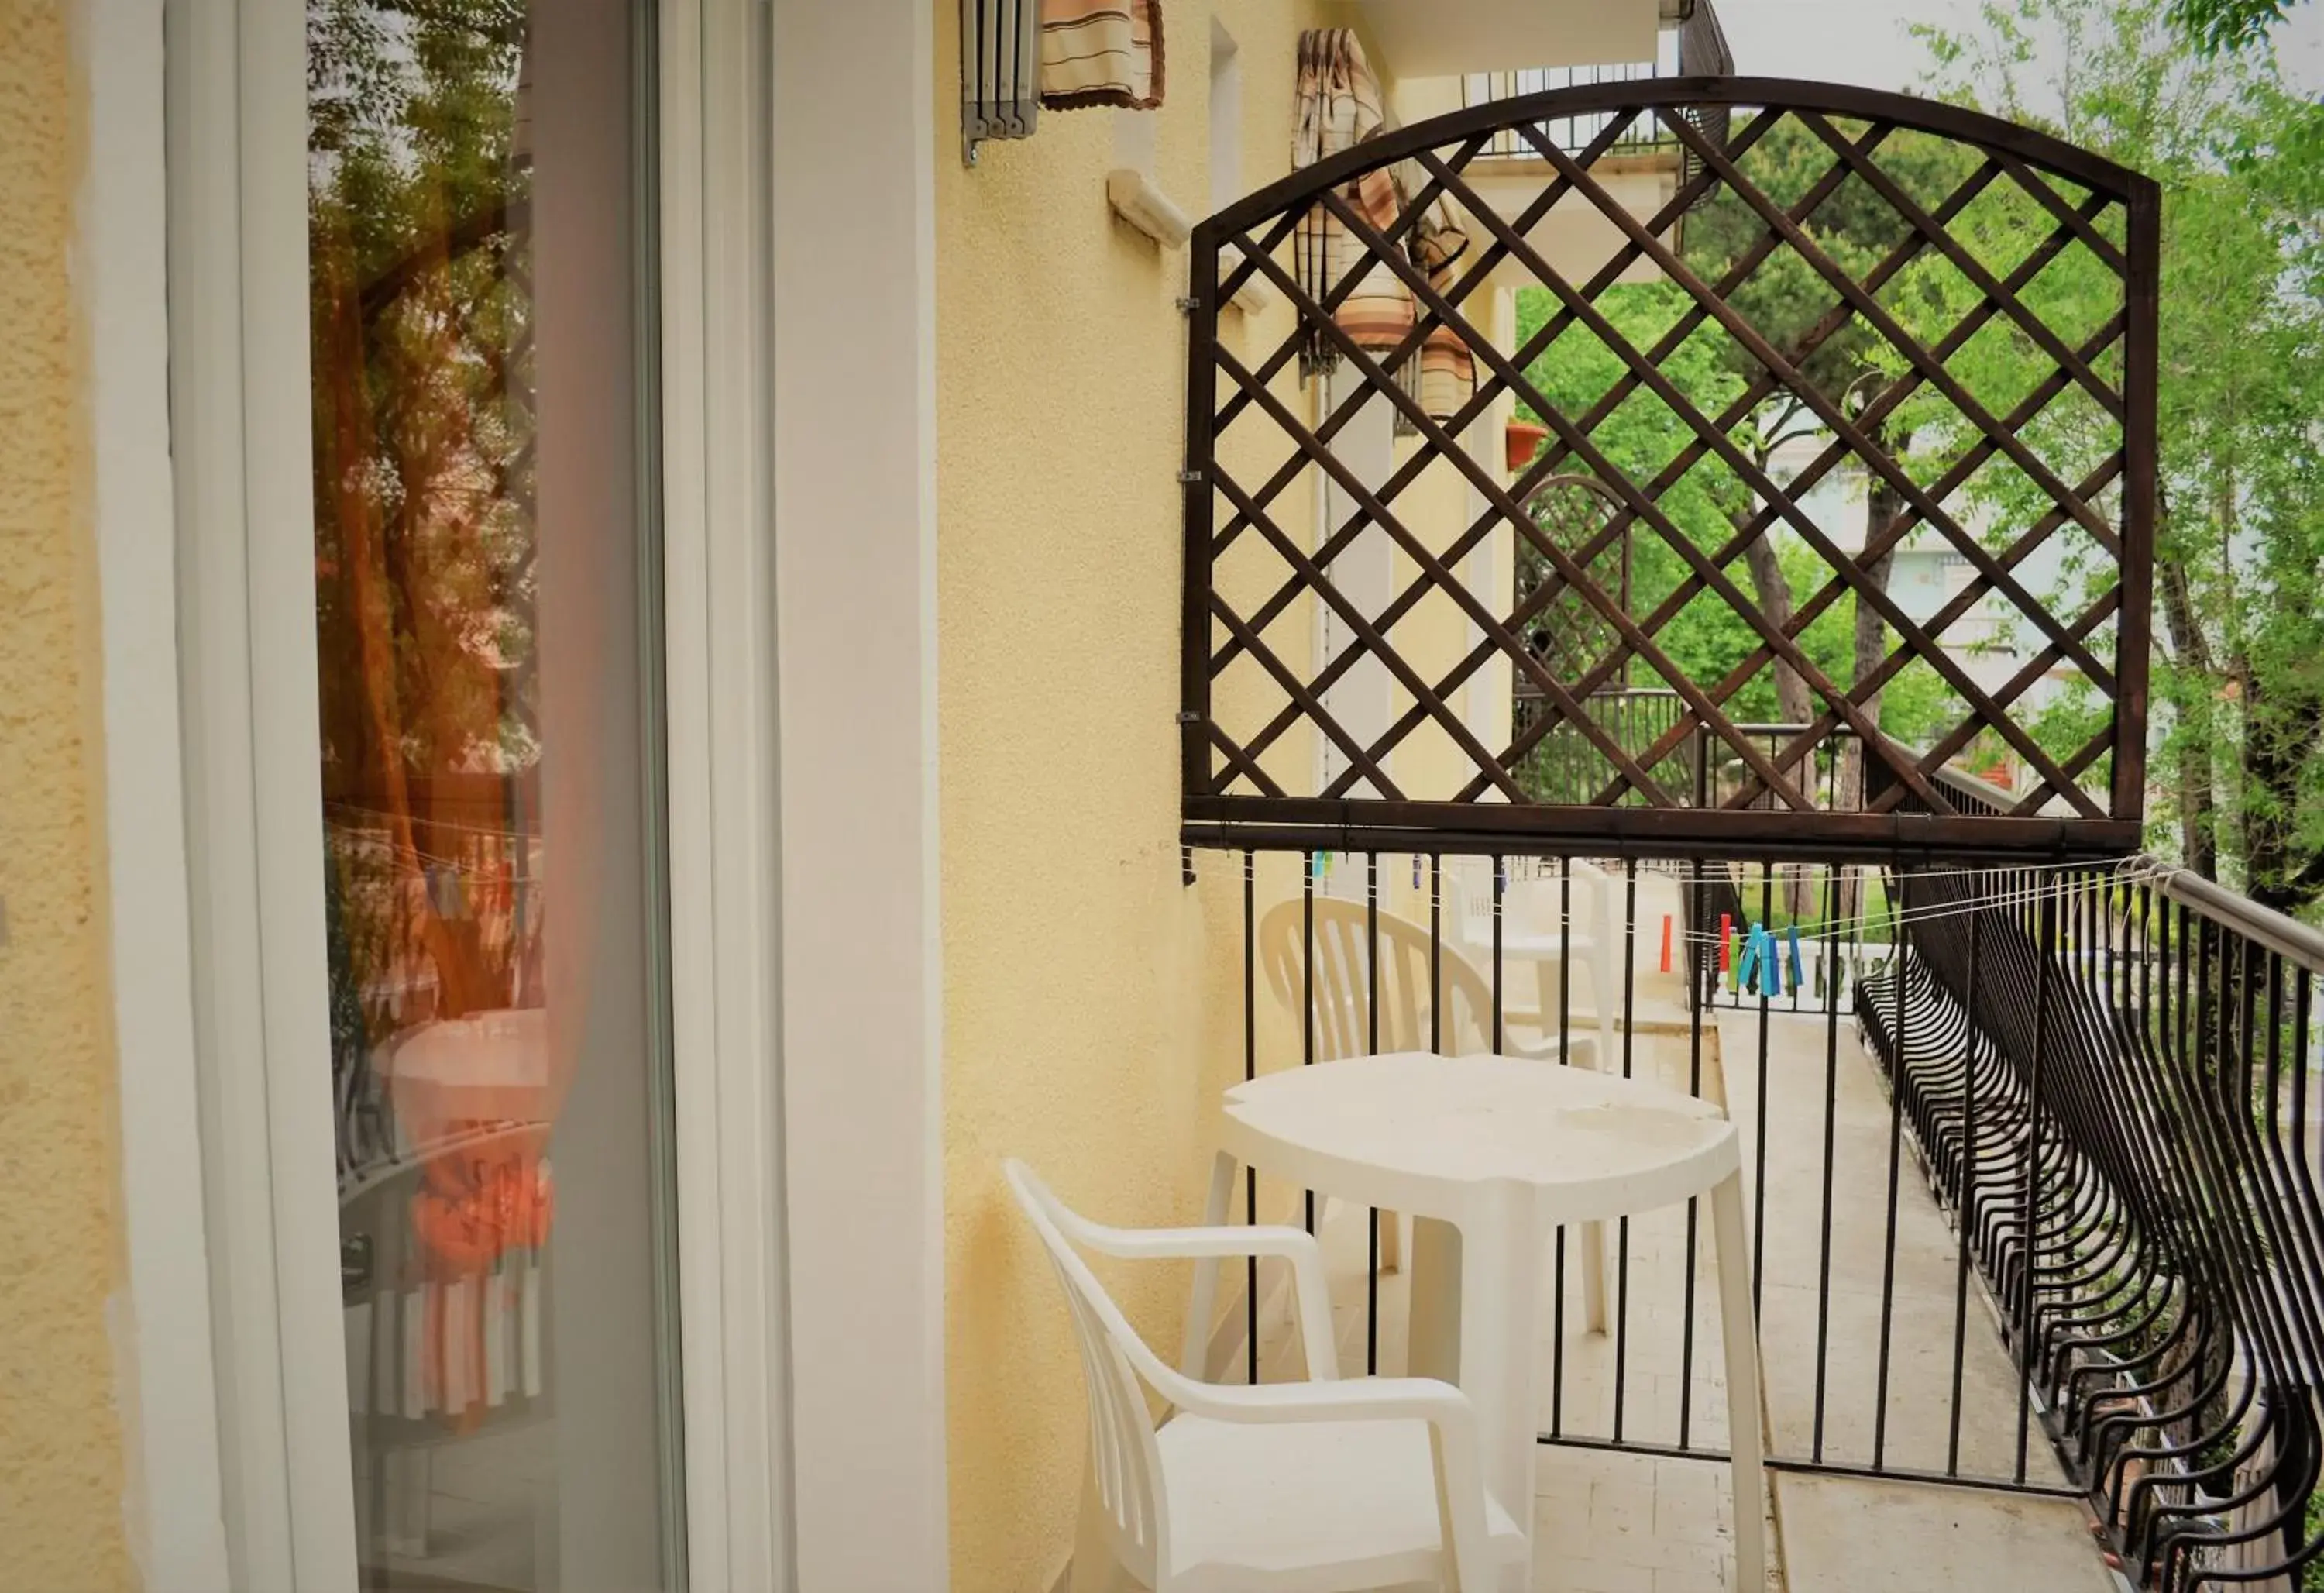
(217, 906)
(233, 1375)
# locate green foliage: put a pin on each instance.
(2216, 25)
(1706, 640)
(2239, 664)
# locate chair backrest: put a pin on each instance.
(1125, 1467)
(1344, 981)
(1538, 904)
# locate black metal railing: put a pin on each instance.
(1696, 48)
(2111, 1077)
(1565, 764)
(2032, 1154)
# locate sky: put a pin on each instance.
(1864, 42)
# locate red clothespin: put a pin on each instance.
(1666, 932)
(1725, 928)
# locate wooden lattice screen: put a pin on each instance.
(1953, 319)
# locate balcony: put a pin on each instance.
(2032, 1157)
(2037, 1250)
(1695, 47)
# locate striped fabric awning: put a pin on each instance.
(1101, 53)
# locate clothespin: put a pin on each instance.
(1666, 939)
(1746, 965)
(1772, 982)
(1725, 925)
(1797, 977)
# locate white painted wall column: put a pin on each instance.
(1364, 576)
(854, 493)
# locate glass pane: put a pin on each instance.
(485, 612)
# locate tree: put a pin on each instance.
(1641, 438)
(1790, 303)
(2215, 26)
(421, 317)
(2239, 681)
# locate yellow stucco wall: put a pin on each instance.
(1092, 1003)
(61, 1524)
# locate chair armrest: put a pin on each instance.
(1295, 1245)
(1353, 1399)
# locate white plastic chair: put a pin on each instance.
(1343, 986)
(1320, 1486)
(1532, 909)
(1343, 982)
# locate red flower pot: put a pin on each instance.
(1523, 439)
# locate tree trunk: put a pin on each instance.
(1773, 587)
(2190, 652)
(2279, 733)
(1881, 506)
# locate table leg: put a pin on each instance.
(1435, 1332)
(1590, 1238)
(1500, 1281)
(1740, 1339)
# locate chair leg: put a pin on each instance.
(1594, 1314)
(1202, 1309)
(1740, 1339)
(1095, 1569)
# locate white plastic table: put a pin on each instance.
(1505, 1149)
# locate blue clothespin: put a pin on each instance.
(1798, 978)
(1773, 979)
(1765, 962)
(1747, 966)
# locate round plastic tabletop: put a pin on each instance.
(1424, 1133)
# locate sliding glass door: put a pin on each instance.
(486, 623)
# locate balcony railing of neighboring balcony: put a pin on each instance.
(1695, 48)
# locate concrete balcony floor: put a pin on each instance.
(1623, 1522)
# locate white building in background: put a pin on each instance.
(1991, 639)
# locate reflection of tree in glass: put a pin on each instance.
(419, 179)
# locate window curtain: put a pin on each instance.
(1339, 106)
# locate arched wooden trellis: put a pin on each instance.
(2038, 485)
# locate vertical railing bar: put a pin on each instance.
(1629, 958)
(1557, 1341)
(1497, 1038)
(1696, 997)
(1564, 1055)
(2293, 1219)
(2300, 997)
(1251, 1071)
(1308, 973)
(1435, 955)
(1965, 1202)
(1565, 958)
(1606, 941)
(2047, 940)
(1759, 1129)
(1372, 1048)
(1898, 935)
(1621, 1320)
(1831, 1121)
